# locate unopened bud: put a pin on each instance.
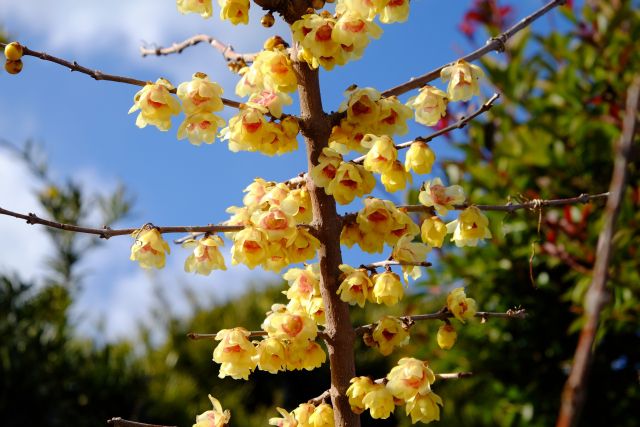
(13, 51)
(13, 67)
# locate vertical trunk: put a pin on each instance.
(316, 129)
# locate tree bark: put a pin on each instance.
(340, 336)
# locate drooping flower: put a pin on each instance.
(149, 248)
(303, 412)
(303, 284)
(470, 227)
(393, 117)
(358, 389)
(395, 11)
(433, 231)
(430, 105)
(395, 178)
(287, 420)
(379, 401)
(382, 153)
(235, 353)
(387, 288)
(328, 163)
(420, 157)
(270, 355)
(203, 7)
(277, 70)
(283, 324)
(352, 33)
(409, 378)
(250, 247)
(351, 181)
(463, 80)
(156, 105)
(200, 127)
(206, 255)
(313, 32)
(356, 285)
(302, 247)
(235, 11)
(200, 95)
(213, 418)
(411, 252)
(440, 197)
(322, 416)
(389, 333)
(272, 100)
(361, 105)
(424, 407)
(446, 336)
(460, 306)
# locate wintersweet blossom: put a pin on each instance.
(409, 378)
(313, 32)
(235, 11)
(156, 105)
(200, 95)
(280, 323)
(366, 8)
(395, 178)
(305, 354)
(351, 181)
(402, 225)
(470, 227)
(346, 137)
(250, 247)
(424, 407)
(387, 288)
(304, 284)
(433, 231)
(322, 416)
(303, 412)
(440, 197)
(379, 401)
(302, 247)
(361, 105)
(460, 306)
(358, 389)
(420, 157)
(149, 248)
(406, 250)
(393, 117)
(395, 11)
(203, 7)
(215, 417)
(273, 101)
(200, 127)
(270, 355)
(328, 163)
(353, 33)
(430, 105)
(206, 255)
(389, 333)
(446, 336)
(356, 285)
(287, 420)
(235, 353)
(382, 153)
(277, 70)
(463, 80)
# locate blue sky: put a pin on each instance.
(85, 129)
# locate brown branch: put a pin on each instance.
(497, 43)
(99, 75)
(445, 314)
(120, 422)
(107, 232)
(320, 399)
(575, 389)
(196, 336)
(457, 125)
(226, 50)
(389, 262)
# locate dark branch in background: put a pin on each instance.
(497, 43)
(119, 422)
(575, 389)
(445, 314)
(196, 336)
(457, 125)
(226, 50)
(99, 75)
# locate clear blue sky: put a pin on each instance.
(88, 135)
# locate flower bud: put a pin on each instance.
(446, 336)
(268, 20)
(13, 51)
(13, 67)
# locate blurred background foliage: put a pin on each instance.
(551, 135)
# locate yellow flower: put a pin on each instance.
(433, 231)
(246, 130)
(275, 223)
(214, 418)
(346, 137)
(313, 32)
(156, 105)
(305, 354)
(430, 105)
(235, 353)
(277, 70)
(395, 11)
(270, 355)
(440, 197)
(387, 288)
(358, 389)
(322, 416)
(303, 412)
(424, 407)
(149, 248)
(352, 33)
(235, 11)
(408, 251)
(410, 377)
(355, 286)
(200, 127)
(362, 105)
(249, 247)
(402, 225)
(302, 199)
(315, 309)
(420, 157)
(390, 332)
(461, 306)
(393, 117)
(303, 284)
(470, 227)
(255, 192)
(328, 163)
(273, 101)
(376, 216)
(379, 402)
(285, 325)
(365, 8)
(203, 7)
(287, 420)
(463, 80)
(200, 95)
(303, 247)
(382, 153)
(205, 257)
(351, 181)
(395, 178)
(13, 51)
(446, 336)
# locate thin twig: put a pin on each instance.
(99, 75)
(497, 43)
(252, 334)
(324, 397)
(226, 50)
(390, 262)
(575, 389)
(120, 422)
(446, 314)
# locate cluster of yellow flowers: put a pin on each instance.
(462, 308)
(304, 291)
(343, 180)
(305, 415)
(358, 287)
(215, 417)
(235, 11)
(327, 40)
(389, 333)
(407, 383)
(271, 236)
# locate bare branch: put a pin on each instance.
(99, 75)
(324, 397)
(390, 262)
(575, 389)
(226, 50)
(497, 43)
(445, 314)
(457, 125)
(120, 422)
(252, 334)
